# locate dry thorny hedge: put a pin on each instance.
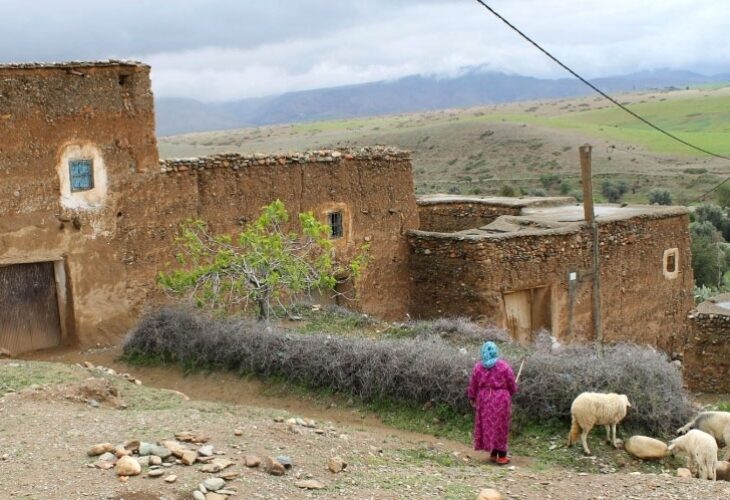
(413, 371)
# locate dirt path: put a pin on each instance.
(46, 436)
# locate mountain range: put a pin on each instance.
(472, 87)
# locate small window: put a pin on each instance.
(335, 221)
(671, 263)
(81, 175)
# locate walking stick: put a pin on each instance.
(519, 372)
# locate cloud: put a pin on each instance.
(220, 50)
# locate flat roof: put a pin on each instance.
(108, 63)
(718, 305)
(498, 201)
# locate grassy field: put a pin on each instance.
(479, 150)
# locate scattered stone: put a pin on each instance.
(132, 446)
(189, 457)
(108, 457)
(145, 461)
(189, 437)
(171, 478)
(336, 464)
(214, 483)
(104, 465)
(226, 492)
(215, 496)
(128, 466)
(645, 448)
(210, 468)
(489, 494)
(154, 460)
(309, 484)
(206, 450)
(273, 467)
(229, 476)
(252, 461)
(278, 420)
(156, 473)
(121, 451)
(198, 495)
(285, 460)
(684, 472)
(238, 432)
(4, 457)
(99, 449)
(175, 448)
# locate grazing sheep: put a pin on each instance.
(714, 423)
(701, 450)
(593, 408)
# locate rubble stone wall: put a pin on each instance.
(469, 274)
(707, 353)
(451, 217)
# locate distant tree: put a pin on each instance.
(262, 266)
(548, 180)
(659, 196)
(709, 212)
(454, 190)
(709, 257)
(577, 194)
(614, 190)
(722, 195)
(565, 187)
(507, 190)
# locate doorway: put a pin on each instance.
(29, 312)
(527, 311)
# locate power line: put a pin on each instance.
(608, 97)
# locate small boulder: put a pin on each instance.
(238, 432)
(723, 470)
(197, 495)
(206, 451)
(309, 484)
(156, 473)
(646, 448)
(336, 464)
(684, 472)
(171, 478)
(489, 494)
(100, 449)
(154, 460)
(215, 496)
(214, 483)
(128, 466)
(285, 460)
(189, 457)
(273, 466)
(108, 457)
(252, 461)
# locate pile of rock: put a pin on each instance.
(109, 371)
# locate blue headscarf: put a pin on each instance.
(490, 354)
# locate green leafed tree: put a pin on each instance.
(614, 190)
(659, 196)
(263, 266)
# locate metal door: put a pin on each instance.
(28, 308)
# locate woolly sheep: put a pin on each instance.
(701, 450)
(714, 423)
(593, 408)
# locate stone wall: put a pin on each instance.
(372, 187)
(457, 274)
(447, 214)
(707, 352)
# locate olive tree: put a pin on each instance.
(264, 265)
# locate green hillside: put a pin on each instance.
(480, 150)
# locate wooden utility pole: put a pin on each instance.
(590, 218)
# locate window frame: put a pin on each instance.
(88, 163)
(336, 223)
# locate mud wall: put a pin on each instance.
(707, 353)
(451, 217)
(49, 115)
(456, 275)
(371, 187)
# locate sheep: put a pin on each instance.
(715, 423)
(701, 450)
(593, 408)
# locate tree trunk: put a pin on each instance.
(264, 306)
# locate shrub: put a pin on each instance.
(614, 190)
(537, 192)
(507, 190)
(565, 187)
(659, 196)
(722, 194)
(412, 371)
(577, 194)
(454, 190)
(548, 180)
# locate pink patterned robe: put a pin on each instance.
(492, 389)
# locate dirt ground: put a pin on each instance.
(46, 429)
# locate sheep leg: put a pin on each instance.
(691, 465)
(613, 431)
(584, 441)
(608, 434)
(726, 438)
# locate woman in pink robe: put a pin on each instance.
(490, 391)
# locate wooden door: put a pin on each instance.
(29, 317)
(518, 311)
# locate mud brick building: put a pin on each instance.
(88, 217)
(707, 352)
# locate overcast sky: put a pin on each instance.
(230, 49)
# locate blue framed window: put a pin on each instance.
(81, 175)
